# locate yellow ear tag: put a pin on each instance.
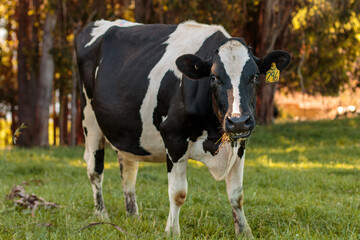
(273, 75)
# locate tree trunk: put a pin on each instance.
(46, 77)
(63, 118)
(27, 89)
(14, 119)
(265, 102)
(143, 10)
(274, 17)
(55, 117)
(74, 100)
(139, 10)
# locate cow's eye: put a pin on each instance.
(255, 79)
(215, 80)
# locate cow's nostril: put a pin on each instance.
(248, 121)
(230, 120)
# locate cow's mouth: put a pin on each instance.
(236, 136)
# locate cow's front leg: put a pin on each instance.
(128, 172)
(234, 188)
(177, 185)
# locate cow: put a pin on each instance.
(169, 93)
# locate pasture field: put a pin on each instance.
(302, 181)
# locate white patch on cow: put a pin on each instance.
(96, 71)
(93, 130)
(167, 153)
(101, 26)
(234, 56)
(186, 39)
(234, 189)
(218, 165)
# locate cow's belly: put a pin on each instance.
(155, 147)
(157, 157)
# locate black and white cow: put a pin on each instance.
(167, 93)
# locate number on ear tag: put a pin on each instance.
(273, 75)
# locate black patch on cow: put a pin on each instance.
(130, 203)
(241, 149)
(169, 164)
(121, 171)
(169, 85)
(210, 146)
(197, 94)
(82, 104)
(99, 205)
(88, 58)
(85, 131)
(99, 161)
(247, 88)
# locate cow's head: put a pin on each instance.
(233, 73)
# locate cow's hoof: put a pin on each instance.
(132, 210)
(247, 234)
(172, 232)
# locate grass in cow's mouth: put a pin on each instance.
(226, 137)
(301, 181)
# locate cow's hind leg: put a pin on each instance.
(234, 187)
(94, 157)
(128, 172)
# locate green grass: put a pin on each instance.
(302, 181)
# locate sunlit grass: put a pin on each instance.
(302, 181)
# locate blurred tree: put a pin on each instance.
(46, 78)
(329, 49)
(8, 84)
(27, 90)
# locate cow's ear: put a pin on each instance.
(193, 66)
(281, 58)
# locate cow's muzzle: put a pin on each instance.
(239, 127)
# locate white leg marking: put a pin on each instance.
(94, 141)
(234, 188)
(129, 171)
(177, 185)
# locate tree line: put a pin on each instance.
(38, 61)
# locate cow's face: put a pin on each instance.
(233, 73)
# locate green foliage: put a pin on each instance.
(330, 33)
(301, 182)
(7, 46)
